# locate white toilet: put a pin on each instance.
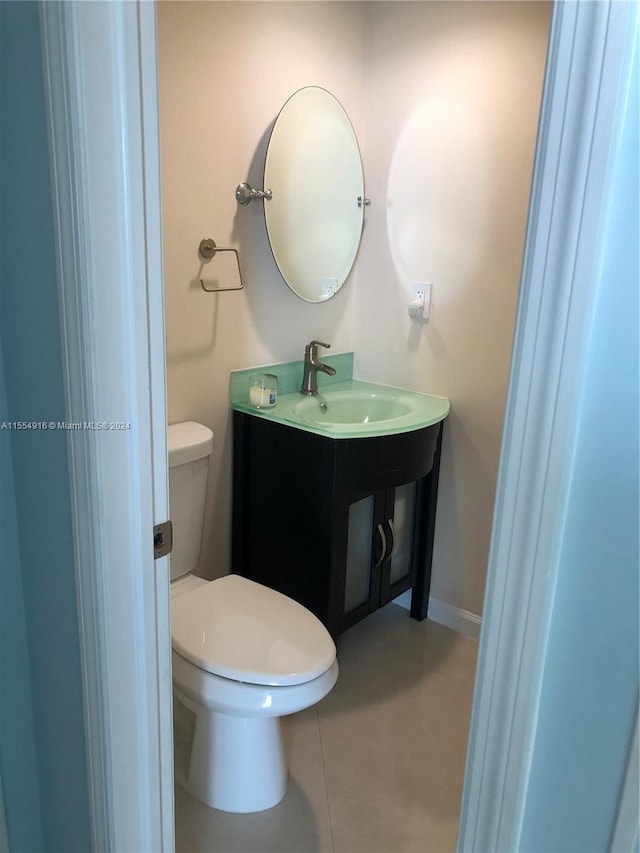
(243, 654)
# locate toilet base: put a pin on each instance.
(237, 764)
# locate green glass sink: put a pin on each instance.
(355, 409)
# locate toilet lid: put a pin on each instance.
(242, 630)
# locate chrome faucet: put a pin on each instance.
(312, 366)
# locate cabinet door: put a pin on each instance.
(398, 570)
(367, 548)
(380, 556)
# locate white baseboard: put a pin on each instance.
(453, 617)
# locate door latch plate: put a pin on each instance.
(162, 539)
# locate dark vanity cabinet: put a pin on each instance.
(341, 525)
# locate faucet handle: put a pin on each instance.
(319, 344)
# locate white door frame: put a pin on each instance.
(101, 78)
(101, 65)
(587, 76)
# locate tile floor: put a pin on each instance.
(377, 766)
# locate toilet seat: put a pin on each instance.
(244, 631)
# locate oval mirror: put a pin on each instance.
(314, 219)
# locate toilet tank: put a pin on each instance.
(190, 446)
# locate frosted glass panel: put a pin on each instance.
(359, 553)
(403, 515)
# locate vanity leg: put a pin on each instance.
(428, 501)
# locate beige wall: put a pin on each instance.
(444, 99)
(449, 171)
(226, 69)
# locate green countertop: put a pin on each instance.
(354, 409)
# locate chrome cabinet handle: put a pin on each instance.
(392, 531)
(383, 542)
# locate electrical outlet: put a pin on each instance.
(420, 293)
